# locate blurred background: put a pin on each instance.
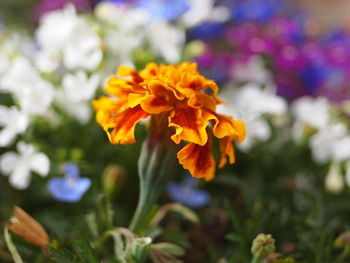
(283, 67)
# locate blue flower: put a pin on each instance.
(164, 9)
(206, 31)
(71, 187)
(255, 10)
(187, 193)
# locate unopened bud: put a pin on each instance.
(26, 227)
(343, 240)
(194, 48)
(113, 178)
(263, 245)
(334, 180)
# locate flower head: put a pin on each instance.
(179, 101)
(71, 187)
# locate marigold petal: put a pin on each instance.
(189, 125)
(155, 105)
(227, 126)
(241, 130)
(125, 71)
(105, 106)
(135, 99)
(150, 71)
(226, 149)
(199, 99)
(198, 160)
(123, 125)
(118, 87)
(212, 85)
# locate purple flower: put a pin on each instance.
(45, 6)
(116, 1)
(187, 193)
(71, 187)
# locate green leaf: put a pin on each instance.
(234, 237)
(187, 213)
(84, 249)
(170, 248)
(158, 256)
(61, 255)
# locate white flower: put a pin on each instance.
(83, 50)
(47, 60)
(204, 10)
(312, 111)
(63, 35)
(79, 87)
(252, 71)
(126, 32)
(32, 92)
(250, 103)
(126, 19)
(76, 94)
(121, 45)
(167, 41)
(331, 143)
(56, 28)
(334, 180)
(19, 165)
(13, 121)
(309, 112)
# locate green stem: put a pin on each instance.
(156, 165)
(256, 259)
(13, 250)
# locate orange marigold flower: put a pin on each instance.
(180, 96)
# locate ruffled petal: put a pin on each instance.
(226, 149)
(189, 125)
(107, 107)
(123, 125)
(125, 71)
(155, 105)
(241, 130)
(226, 126)
(198, 160)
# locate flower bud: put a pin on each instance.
(26, 227)
(263, 245)
(113, 177)
(343, 240)
(194, 48)
(334, 180)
